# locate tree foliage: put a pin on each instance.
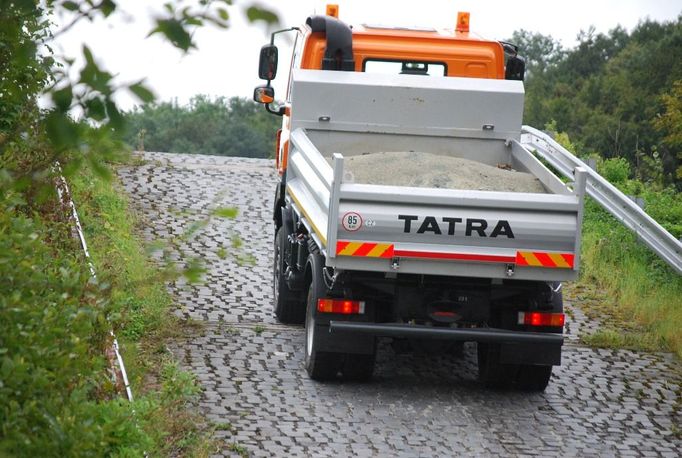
(23, 71)
(55, 395)
(614, 93)
(669, 123)
(227, 127)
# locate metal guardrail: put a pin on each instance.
(65, 199)
(608, 196)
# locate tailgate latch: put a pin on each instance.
(509, 270)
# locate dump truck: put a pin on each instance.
(358, 261)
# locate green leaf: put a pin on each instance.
(99, 167)
(115, 118)
(193, 228)
(62, 132)
(107, 7)
(155, 246)
(94, 108)
(70, 6)
(91, 75)
(237, 242)
(223, 14)
(62, 98)
(194, 21)
(142, 92)
(175, 32)
(226, 212)
(195, 269)
(255, 13)
(72, 167)
(89, 59)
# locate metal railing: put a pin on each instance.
(119, 369)
(608, 196)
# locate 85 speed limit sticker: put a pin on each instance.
(351, 221)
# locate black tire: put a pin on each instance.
(536, 377)
(320, 365)
(494, 374)
(491, 372)
(533, 378)
(358, 368)
(289, 306)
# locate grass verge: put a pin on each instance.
(141, 308)
(636, 296)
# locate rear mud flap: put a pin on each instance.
(525, 353)
(344, 343)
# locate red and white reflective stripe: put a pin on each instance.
(555, 320)
(364, 249)
(453, 256)
(521, 258)
(545, 259)
(342, 306)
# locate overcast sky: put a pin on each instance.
(225, 63)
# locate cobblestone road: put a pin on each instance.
(599, 402)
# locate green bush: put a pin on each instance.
(616, 170)
(56, 397)
(220, 126)
(53, 329)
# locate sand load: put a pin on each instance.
(427, 170)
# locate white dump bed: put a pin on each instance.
(455, 232)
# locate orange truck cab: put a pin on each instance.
(326, 43)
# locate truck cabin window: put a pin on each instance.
(390, 67)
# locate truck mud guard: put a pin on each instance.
(339, 52)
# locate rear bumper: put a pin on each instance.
(483, 335)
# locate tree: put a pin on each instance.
(25, 73)
(669, 123)
(539, 51)
(608, 90)
(53, 315)
(226, 127)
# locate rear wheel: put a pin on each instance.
(358, 368)
(289, 306)
(491, 372)
(320, 365)
(533, 378)
(528, 377)
(536, 377)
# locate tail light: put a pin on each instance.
(342, 306)
(555, 320)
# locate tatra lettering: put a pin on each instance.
(472, 227)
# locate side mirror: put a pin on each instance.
(264, 94)
(516, 68)
(267, 66)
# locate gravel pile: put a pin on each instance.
(426, 170)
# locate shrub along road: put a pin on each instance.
(258, 397)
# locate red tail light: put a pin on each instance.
(542, 319)
(342, 306)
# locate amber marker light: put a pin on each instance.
(333, 10)
(462, 21)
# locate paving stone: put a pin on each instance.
(599, 402)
